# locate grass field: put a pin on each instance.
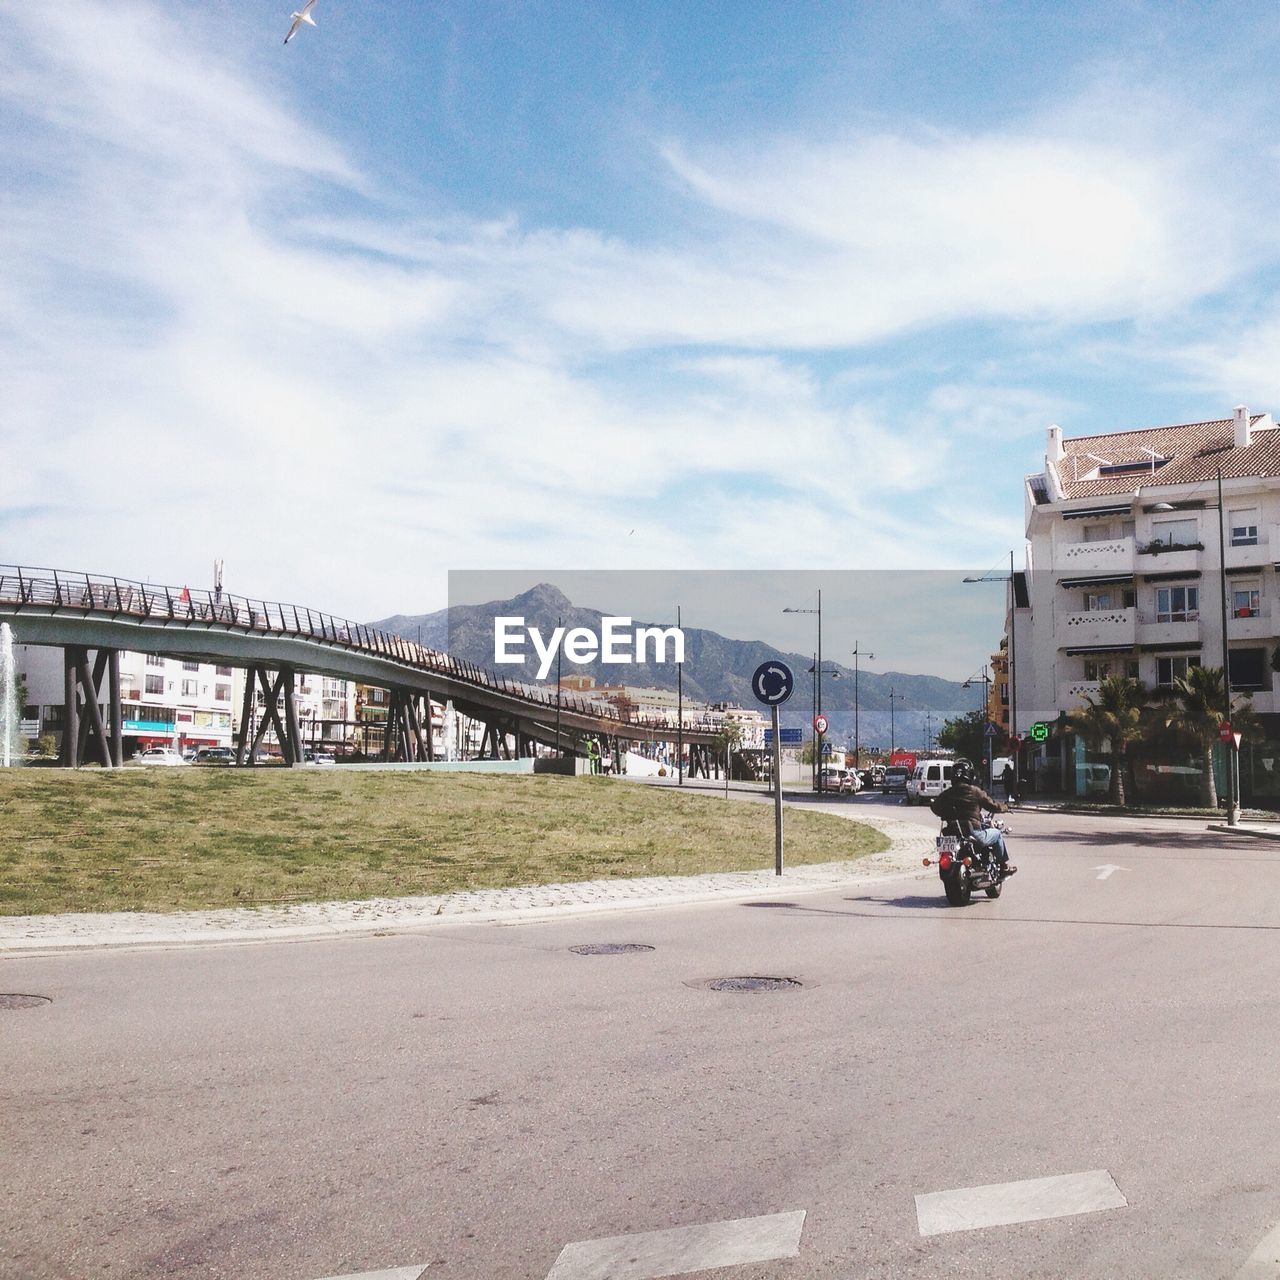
(175, 839)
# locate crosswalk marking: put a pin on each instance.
(395, 1273)
(1004, 1203)
(679, 1250)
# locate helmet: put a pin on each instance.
(963, 771)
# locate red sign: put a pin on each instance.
(1224, 730)
(819, 723)
(904, 758)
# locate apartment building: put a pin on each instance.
(165, 702)
(1127, 538)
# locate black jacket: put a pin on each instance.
(963, 802)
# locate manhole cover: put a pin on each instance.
(753, 982)
(10, 1001)
(609, 948)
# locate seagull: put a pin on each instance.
(299, 18)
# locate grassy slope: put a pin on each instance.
(165, 839)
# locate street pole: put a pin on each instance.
(818, 740)
(892, 728)
(1232, 748)
(679, 708)
(559, 650)
(1013, 662)
(777, 794)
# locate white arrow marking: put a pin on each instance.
(395, 1273)
(1108, 869)
(1264, 1262)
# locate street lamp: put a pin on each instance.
(817, 690)
(1233, 760)
(1013, 646)
(986, 703)
(857, 741)
(892, 726)
(817, 674)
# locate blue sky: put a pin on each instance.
(614, 286)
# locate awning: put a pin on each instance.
(1089, 513)
(1245, 568)
(1107, 580)
(1184, 576)
(1088, 650)
(1182, 646)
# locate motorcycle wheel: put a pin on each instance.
(958, 890)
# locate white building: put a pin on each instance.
(1124, 562)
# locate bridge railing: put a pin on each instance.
(59, 589)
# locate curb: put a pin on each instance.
(1256, 832)
(140, 931)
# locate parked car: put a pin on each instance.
(837, 782)
(160, 755)
(930, 778)
(318, 757)
(215, 755)
(895, 779)
(189, 755)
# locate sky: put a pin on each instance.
(714, 285)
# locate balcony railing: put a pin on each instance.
(55, 589)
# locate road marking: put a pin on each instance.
(677, 1251)
(1004, 1203)
(1108, 870)
(395, 1273)
(1264, 1262)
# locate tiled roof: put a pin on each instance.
(1194, 450)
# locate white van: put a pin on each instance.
(930, 778)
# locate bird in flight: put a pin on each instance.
(299, 17)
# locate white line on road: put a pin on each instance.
(679, 1250)
(1004, 1203)
(1264, 1262)
(395, 1273)
(1108, 870)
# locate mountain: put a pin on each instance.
(716, 669)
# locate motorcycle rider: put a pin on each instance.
(964, 801)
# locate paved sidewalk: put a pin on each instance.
(26, 935)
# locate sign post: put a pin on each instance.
(772, 684)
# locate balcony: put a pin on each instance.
(1177, 628)
(1095, 557)
(1072, 693)
(1099, 627)
(1262, 626)
(1258, 553)
(1160, 557)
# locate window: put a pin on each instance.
(191, 666)
(154, 660)
(190, 688)
(1131, 669)
(222, 693)
(1096, 669)
(154, 684)
(1177, 604)
(223, 671)
(1097, 533)
(1175, 533)
(1244, 527)
(1245, 602)
(1170, 669)
(1247, 667)
(1126, 528)
(1096, 601)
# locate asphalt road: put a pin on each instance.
(477, 1097)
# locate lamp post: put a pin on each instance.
(817, 684)
(892, 726)
(986, 703)
(559, 691)
(857, 741)
(1233, 758)
(1011, 579)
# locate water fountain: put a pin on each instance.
(9, 709)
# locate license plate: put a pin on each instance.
(948, 844)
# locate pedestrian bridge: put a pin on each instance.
(83, 613)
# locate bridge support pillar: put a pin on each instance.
(290, 738)
(84, 732)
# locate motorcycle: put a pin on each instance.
(965, 864)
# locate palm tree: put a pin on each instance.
(1193, 705)
(1114, 715)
